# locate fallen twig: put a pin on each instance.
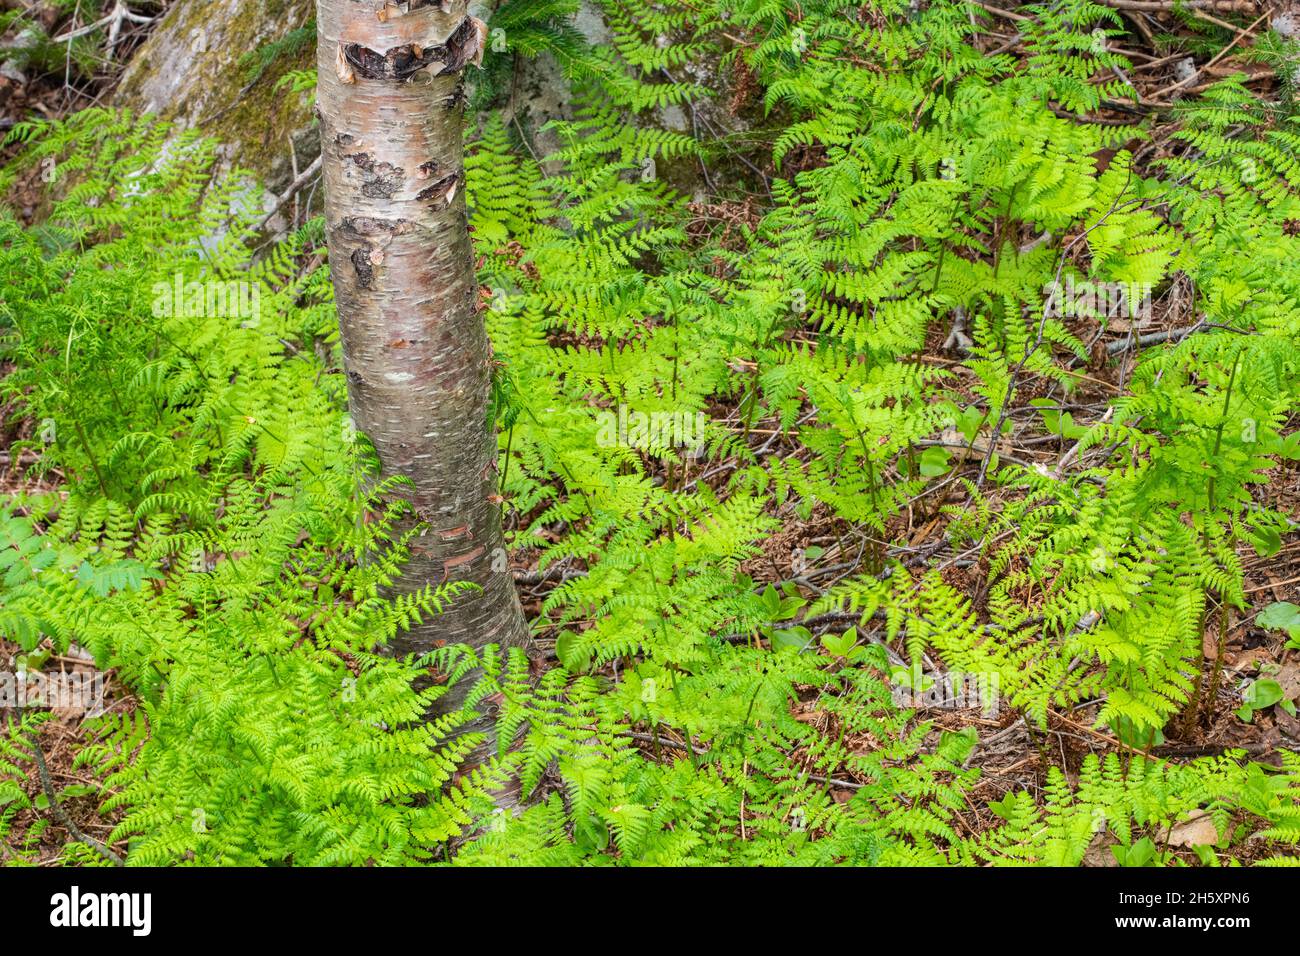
(48, 786)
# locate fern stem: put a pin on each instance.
(94, 464)
(1218, 433)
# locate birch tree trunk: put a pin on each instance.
(415, 350)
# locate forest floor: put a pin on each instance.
(67, 732)
(50, 94)
(1012, 754)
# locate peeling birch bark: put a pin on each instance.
(415, 350)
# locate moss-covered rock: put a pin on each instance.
(190, 71)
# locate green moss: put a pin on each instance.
(210, 90)
(260, 123)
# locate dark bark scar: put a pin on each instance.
(456, 98)
(364, 269)
(380, 180)
(403, 62)
(441, 192)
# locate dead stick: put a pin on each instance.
(48, 786)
